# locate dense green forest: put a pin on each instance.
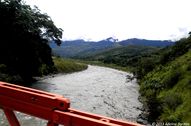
(24, 36)
(166, 86)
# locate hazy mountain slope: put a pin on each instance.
(144, 42)
(81, 48)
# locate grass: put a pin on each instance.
(68, 65)
(171, 86)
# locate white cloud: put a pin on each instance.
(98, 19)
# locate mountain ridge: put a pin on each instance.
(81, 48)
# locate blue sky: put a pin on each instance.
(122, 19)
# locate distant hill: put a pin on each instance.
(124, 55)
(82, 48)
(144, 42)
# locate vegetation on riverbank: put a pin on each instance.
(166, 86)
(99, 63)
(68, 65)
(167, 90)
(60, 66)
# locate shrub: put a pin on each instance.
(172, 78)
(68, 66)
(172, 101)
(3, 68)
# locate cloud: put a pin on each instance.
(99, 19)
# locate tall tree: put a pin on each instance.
(24, 36)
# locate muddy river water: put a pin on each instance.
(99, 90)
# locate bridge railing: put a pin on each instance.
(52, 107)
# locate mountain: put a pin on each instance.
(82, 48)
(144, 42)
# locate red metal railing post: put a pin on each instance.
(12, 119)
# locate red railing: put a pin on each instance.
(54, 108)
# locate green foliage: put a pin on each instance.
(6, 76)
(172, 100)
(25, 33)
(45, 69)
(170, 104)
(161, 57)
(3, 68)
(167, 90)
(145, 65)
(68, 66)
(172, 78)
(166, 85)
(180, 48)
(127, 57)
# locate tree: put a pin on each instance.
(24, 36)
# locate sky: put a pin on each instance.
(122, 19)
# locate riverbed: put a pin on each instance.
(99, 90)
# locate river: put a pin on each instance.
(99, 90)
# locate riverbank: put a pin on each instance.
(114, 66)
(64, 66)
(60, 66)
(68, 65)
